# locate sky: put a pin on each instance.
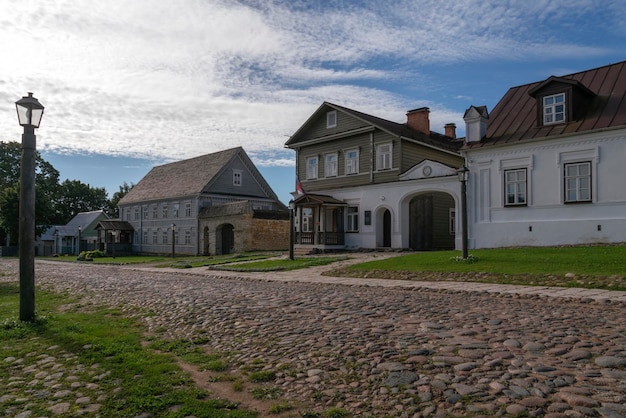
(130, 84)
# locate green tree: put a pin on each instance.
(46, 190)
(113, 210)
(75, 197)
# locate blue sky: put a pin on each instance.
(129, 84)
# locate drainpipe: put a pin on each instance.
(371, 157)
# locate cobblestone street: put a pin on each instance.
(384, 351)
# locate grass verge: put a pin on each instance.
(279, 264)
(89, 361)
(598, 267)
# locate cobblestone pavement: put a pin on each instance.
(387, 349)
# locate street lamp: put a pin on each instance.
(463, 174)
(173, 240)
(292, 209)
(29, 113)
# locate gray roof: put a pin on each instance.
(181, 178)
(83, 220)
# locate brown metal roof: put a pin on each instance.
(515, 116)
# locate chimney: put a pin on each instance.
(418, 119)
(450, 130)
(476, 118)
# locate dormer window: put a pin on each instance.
(554, 109)
(331, 119)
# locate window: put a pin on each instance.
(187, 237)
(311, 168)
(145, 237)
(136, 213)
(155, 212)
(155, 237)
(578, 182)
(554, 109)
(352, 162)
(175, 210)
(164, 211)
(237, 177)
(144, 211)
(353, 219)
(188, 210)
(164, 238)
(383, 157)
(307, 220)
(331, 119)
(330, 165)
(515, 187)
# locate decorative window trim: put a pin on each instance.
(513, 179)
(331, 165)
(237, 178)
(331, 119)
(383, 163)
(578, 181)
(591, 155)
(312, 170)
(351, 164)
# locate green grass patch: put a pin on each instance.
(280, 264)
(102, 349)
(594, 266)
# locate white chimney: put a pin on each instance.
(476, 118)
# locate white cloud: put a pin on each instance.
(169, 80)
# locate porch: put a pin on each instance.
(319, 223)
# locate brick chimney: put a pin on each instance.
(418, 120)
(450, 130)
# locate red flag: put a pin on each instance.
(299, 188)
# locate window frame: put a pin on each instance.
(188, 209)
(352, 219)
(577, 177)
(550, 110)
(351, 163)
(310, 175)
(380, 157)
(331, 165)
(516, 182)
(331, 119)
(237, 178)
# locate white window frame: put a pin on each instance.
(331, 119)
(580, 184)
(188, 209)
(237, 178)
(352, 219)
(164, 211)
(312, 164)
(155, 237)
(307, 219)
(554, 109)
(516, 185)
(175, 210)
(187, 237)
(384, 158)
(164, 237)
(352, 163)
(331, 165)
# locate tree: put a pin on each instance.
(75, 197)
(46, 189)
(113, 210)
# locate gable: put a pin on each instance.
(179, 179)
(427, 169)
(249, 181)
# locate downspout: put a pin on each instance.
(371, 157)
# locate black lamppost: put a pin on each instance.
(173, 240)
(29, 113)
(463, 174)
(292, 208)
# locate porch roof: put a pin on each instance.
(318, 199)
(115, 225)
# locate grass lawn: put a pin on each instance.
(279, 264)
(96, 352)
(594, 266)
